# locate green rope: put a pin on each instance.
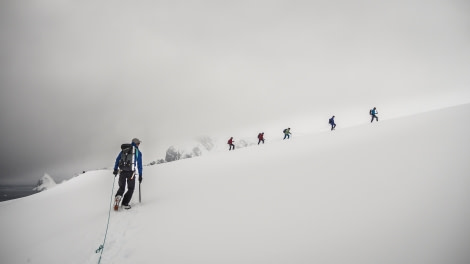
(101, 248)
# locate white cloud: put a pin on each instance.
(70, 70)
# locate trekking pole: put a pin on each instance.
(140, 197)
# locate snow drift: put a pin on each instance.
(396, 191)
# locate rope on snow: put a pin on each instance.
(101, 248)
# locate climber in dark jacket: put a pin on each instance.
(332, 122)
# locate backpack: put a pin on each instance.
(126, 163)
(285, 130)
(370, 112)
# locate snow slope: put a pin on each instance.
(397, 191)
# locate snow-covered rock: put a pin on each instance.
(46, 182)
(189, 149)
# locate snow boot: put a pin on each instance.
(117, 200)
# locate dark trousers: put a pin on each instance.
(286, 136)
(129, 177)
(376, 118)
(231, 147)
(333, 126)
(261, 140)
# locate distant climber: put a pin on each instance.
(373, 112)
(230, 142)
(261, 137)
(331, 121)
(286, 133)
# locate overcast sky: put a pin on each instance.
(78, 78)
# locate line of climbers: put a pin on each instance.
(128, 163)
(372, 112)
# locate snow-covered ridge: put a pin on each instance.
(198, 147)
(395, 191)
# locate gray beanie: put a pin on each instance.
(136, 141)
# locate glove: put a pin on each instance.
(115, 172)
(140, 178)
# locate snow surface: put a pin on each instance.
(396, 191)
